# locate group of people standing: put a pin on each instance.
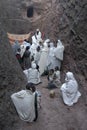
(36, 59)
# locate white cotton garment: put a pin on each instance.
(58, 52)
(23, 48)
(32, 74)
(24, 104)
(69, 90)
(43, 58)
(26, 73)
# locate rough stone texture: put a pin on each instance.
(11, 80)
(58, 19)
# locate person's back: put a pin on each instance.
(26, 57)
(69, 90)
(37, 55)
(43, 58)
(24, 102)
(33, 75)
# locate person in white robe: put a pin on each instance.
(33, 49)
(32, 74)
(44, 56)
(37, 55)
(58, 53)
(51, 60)
(36, 38)
(70, 93)
(23, 48)
(26, 43)
(25, 103)
(38, 35)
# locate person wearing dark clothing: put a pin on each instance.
(18, 56)
(26, 58)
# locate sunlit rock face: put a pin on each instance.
(57, 19)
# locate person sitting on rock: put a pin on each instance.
(69, 90)
(25, 102)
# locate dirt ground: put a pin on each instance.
(55, 115)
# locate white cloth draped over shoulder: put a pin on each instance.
(69, 90)
(59, 50)
(24, 104)
(38, 36)
(58, 54)
(32, 74)
(51, 58)
(43, 58)
(34, 40)
(37, 56)
(26, 43)
(23, 48)
(33, 49)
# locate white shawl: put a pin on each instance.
(69, 90)
(24, 103)
(58, 52)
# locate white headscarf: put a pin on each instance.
(59, 43)
(69, 76)
(58, 52)
(47, 40)
(33, 66)
(69, 90)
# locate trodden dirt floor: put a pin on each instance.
(54, 115)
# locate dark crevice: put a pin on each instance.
(30, 11)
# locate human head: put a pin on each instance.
(27, 48)
(25, 40)
(69, 76)
(46, 43)
(33, 65)
(38, 48)
(59, 43)
(56, 68)
(40, 42)
(30, 86)
(37, 31)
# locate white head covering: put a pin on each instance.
(37, 29)
(45, 44)
(47, 40)
(33, 66)
(69, 76)
(59, 43)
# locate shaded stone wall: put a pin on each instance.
(11, 80)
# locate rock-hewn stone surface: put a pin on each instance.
(58, 19)
(11, 80)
